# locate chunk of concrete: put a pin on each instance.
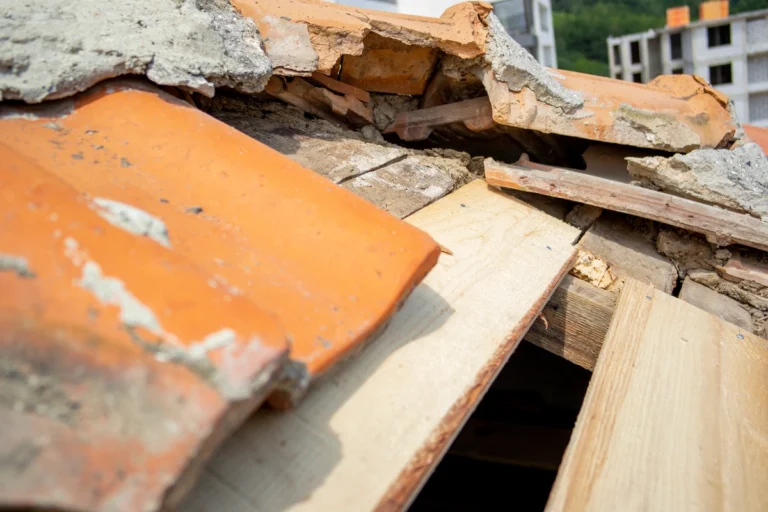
(288, 46)
(736, 180)
(409, 185)
(516, 67)
(55, 48)
(712, 302)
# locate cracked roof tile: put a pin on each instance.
(466, 48)
(120, 365)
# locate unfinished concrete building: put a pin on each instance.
(731, 52)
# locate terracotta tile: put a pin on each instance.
(673, 113)
(337, 30)
(331, 266)
(122, 367)
(758, 135)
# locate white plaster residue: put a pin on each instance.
(133, 220)
(216, 340)
(433, 192)
(17, 264)
(110, 290)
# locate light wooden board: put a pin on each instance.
(367, 437)
(675, 417)
(720, 226)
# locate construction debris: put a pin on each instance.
(736, 180)
(719, 305)
(722, 227)
(214, 252)
(194, 44)
(396, 179)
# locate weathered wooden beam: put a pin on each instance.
(715, 303)
(740, 269)
(277, 88)
(720, 226)
(341, 87)
(320, 102)
(476, 114)
(574, 322)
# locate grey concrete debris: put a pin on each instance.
(53, 48)
(736, 179)
(408, 185)
(387, 106)
(662, 130)
(513, 65)
(288, 47)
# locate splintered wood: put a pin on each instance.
(675, 418)
(368, 437)
(720, 226)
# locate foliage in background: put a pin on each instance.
(582, 26)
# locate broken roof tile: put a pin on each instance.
(337, 30)
(331, 266)
(120, 364)
(469, 48)
(676, 114)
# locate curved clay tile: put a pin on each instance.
(336, 30)
(330, 265)
(122, 367)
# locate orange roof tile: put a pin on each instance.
(675, 113)
(400, 54)
(758, 135)
(330, 265)
(459, 31)
(120, 364)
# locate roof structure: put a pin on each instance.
(222, 231)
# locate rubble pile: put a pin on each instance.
(156, 123)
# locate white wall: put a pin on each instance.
(546, 38)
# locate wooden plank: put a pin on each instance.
(675, 417)
(341, 87)
(715, 303)
(742, 269)
(721, 226)
(574, 322)
(368, 437)
(476, 114)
